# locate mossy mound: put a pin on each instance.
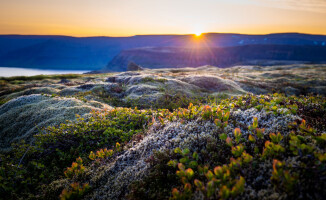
(213, 83)
(24, 116)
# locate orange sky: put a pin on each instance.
(132, 17)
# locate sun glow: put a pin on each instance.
(197, 34)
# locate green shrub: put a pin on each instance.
(76, 191)
(292, 163)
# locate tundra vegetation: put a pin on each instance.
(238, 145)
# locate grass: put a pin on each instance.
(40, 77)
(150, 79)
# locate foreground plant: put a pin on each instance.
(225, 166)
(75, 191)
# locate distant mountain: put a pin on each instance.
(93, 53)
(166, 57)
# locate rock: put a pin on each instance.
(111, 79)
(86, 86)
(64, 81)
(318, 90)
(134, 67)
(291, 91)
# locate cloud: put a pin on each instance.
(304, 5)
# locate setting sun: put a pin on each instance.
(198, 34)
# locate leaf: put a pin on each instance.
(181, 167)
(237, 150)
(255, 123)
(210, 188)
(246, 157)
(177, 150)
(217, 122)
(251, 138)
(224, 192)
(187, 187)
(185, 152)
(184, 160)
(79, 160)
(238, 188)
(277, 165)
(218, 171)
(226, 116)
(198, 183)
(228, 141)
(209, 175)
(189, 173)
(193, 164)
(92, 156)
(223, 136)
(175, 192)
(172, 163)
(117, 145)
(195, 156)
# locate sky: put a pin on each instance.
(142, 17)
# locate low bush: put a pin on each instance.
(245, 163)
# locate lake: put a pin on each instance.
(15, 71)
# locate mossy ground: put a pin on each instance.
(299, 153)
(178, 146)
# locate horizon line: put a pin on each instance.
(168, 34)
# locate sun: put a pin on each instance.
(197, 34)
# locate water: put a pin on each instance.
(15, 71)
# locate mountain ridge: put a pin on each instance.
(167, 57)
(93, 53)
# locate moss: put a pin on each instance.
(3, 101)
(175, 101)
(147, 79)
(240, 133)
(40, 77)
(159, 181)
(21, 118)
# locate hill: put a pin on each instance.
(93, 53)
(171, 57)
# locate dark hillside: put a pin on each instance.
(221, 57)
(93, 53)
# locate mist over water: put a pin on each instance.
(14, 71)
